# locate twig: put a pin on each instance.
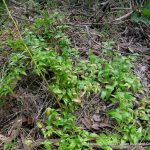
(89, 37)
(17, 17)
(95, 145)
(118, 147)
(89, 23)
(25, 147)
(124, 16)
(14, 2)
(101, 12)
(40, 141)
(79, 14)
(21, 5)
(111, 22)
(120, 8)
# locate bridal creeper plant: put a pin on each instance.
(72, 78)
(15, 69)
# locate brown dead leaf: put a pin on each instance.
(26, 143)
(96, 117)
(97, 110)
(101, 108)
(143, 69)
(3, 138)
(87, 122)
(82, 94)
(104, 125)
(28, 120)
(95, 126)
(77, 100)
(13, 86)
(16, 126)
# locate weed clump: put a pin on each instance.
(111, 76)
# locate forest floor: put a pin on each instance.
(20, 112)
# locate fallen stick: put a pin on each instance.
(122, 147)
(15, 2)
(95, 145)
(124, 16)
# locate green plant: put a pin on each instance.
(11, 144)
(15, 69)
(106, 139)
(142, 14)
(132, 134)
(71, 78)
(62, 125)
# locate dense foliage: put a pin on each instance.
(72, 78)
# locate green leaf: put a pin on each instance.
(137, 17)
(146, 12)
(103, 94)
(147, 148)
(47, 144)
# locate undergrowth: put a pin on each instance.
(72, 77)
